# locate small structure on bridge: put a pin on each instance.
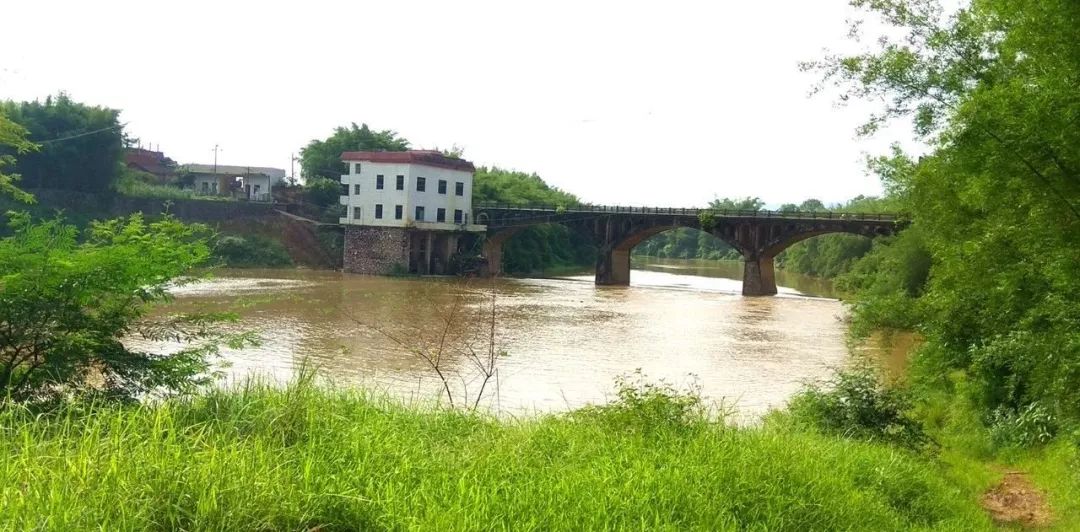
(405, 210)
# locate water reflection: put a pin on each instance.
(567, 339)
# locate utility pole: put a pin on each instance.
(292, 166)
(216, 149)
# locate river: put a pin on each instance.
(566, 340)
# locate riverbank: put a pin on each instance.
(306, 457)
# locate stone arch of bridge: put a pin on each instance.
(495, 241)
(613, 265)
(775, 247)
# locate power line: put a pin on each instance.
(50, 141)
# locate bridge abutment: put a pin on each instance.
(759, 277)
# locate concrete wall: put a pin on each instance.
(375, 250)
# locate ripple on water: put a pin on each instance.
(567, 339)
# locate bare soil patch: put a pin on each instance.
(1016, 501)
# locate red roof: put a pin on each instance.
(153, 162)
(421, 157)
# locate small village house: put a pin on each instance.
(250, 183)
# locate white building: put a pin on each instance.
(405, 210)
(252, 183)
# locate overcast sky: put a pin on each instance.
(661, 103)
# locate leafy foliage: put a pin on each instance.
(322, 192)
(994, 254)
(540, 247)
(497, 185)
(66, 306)
(80, 146)
(856, 404)
(12, 139)
(642, 406)
(322, 158)
(250, 251)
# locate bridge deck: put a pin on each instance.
(693, 211)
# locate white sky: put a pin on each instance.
(661, 103)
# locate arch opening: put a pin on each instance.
(537, 248)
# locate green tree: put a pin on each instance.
(534, 248)
(497, 185)
(322, 158)
(81, 146)
(68, 305)
(744, 204)
(12, 142)
(991, 87)
(322, 192)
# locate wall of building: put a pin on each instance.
(389, 197)
(375, 250)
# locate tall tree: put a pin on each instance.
(81, 146)
(991, 87)
(322, 158)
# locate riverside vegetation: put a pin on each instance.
(985, 275)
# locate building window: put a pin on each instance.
(440, 215)
(356, 213)
(378, 182)
(442, 186)
(459, 189)
(356, 168)
(378, 211)
(401, 182)
(458, 216)
(398, 212)
(421, 184)
(419, 214)
(356, 189)
(206, 186)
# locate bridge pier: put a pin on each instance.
(493, 254)
(613, 267)
(759, 277)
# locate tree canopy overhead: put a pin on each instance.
(322, 158)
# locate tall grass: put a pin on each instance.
(262, 458)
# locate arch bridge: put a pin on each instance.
(757, 235)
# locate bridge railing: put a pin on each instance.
(693, 211)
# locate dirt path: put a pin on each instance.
(1016, 501)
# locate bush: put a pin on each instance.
(67, 303)
(645, 407)
(1032, 425)
(322, 192)
(251, 252)
(856, 404)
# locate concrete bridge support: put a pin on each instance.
(759, 277)
(613, 267)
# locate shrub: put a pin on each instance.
(1029, 426)
(646, 407)
(855, 403)
(322, 192)
(67, 303)
(251, 252)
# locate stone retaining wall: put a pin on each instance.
(375, 250)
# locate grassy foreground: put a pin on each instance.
(303, 457)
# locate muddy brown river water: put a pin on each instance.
(565, 339)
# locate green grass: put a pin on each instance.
(303, 457)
